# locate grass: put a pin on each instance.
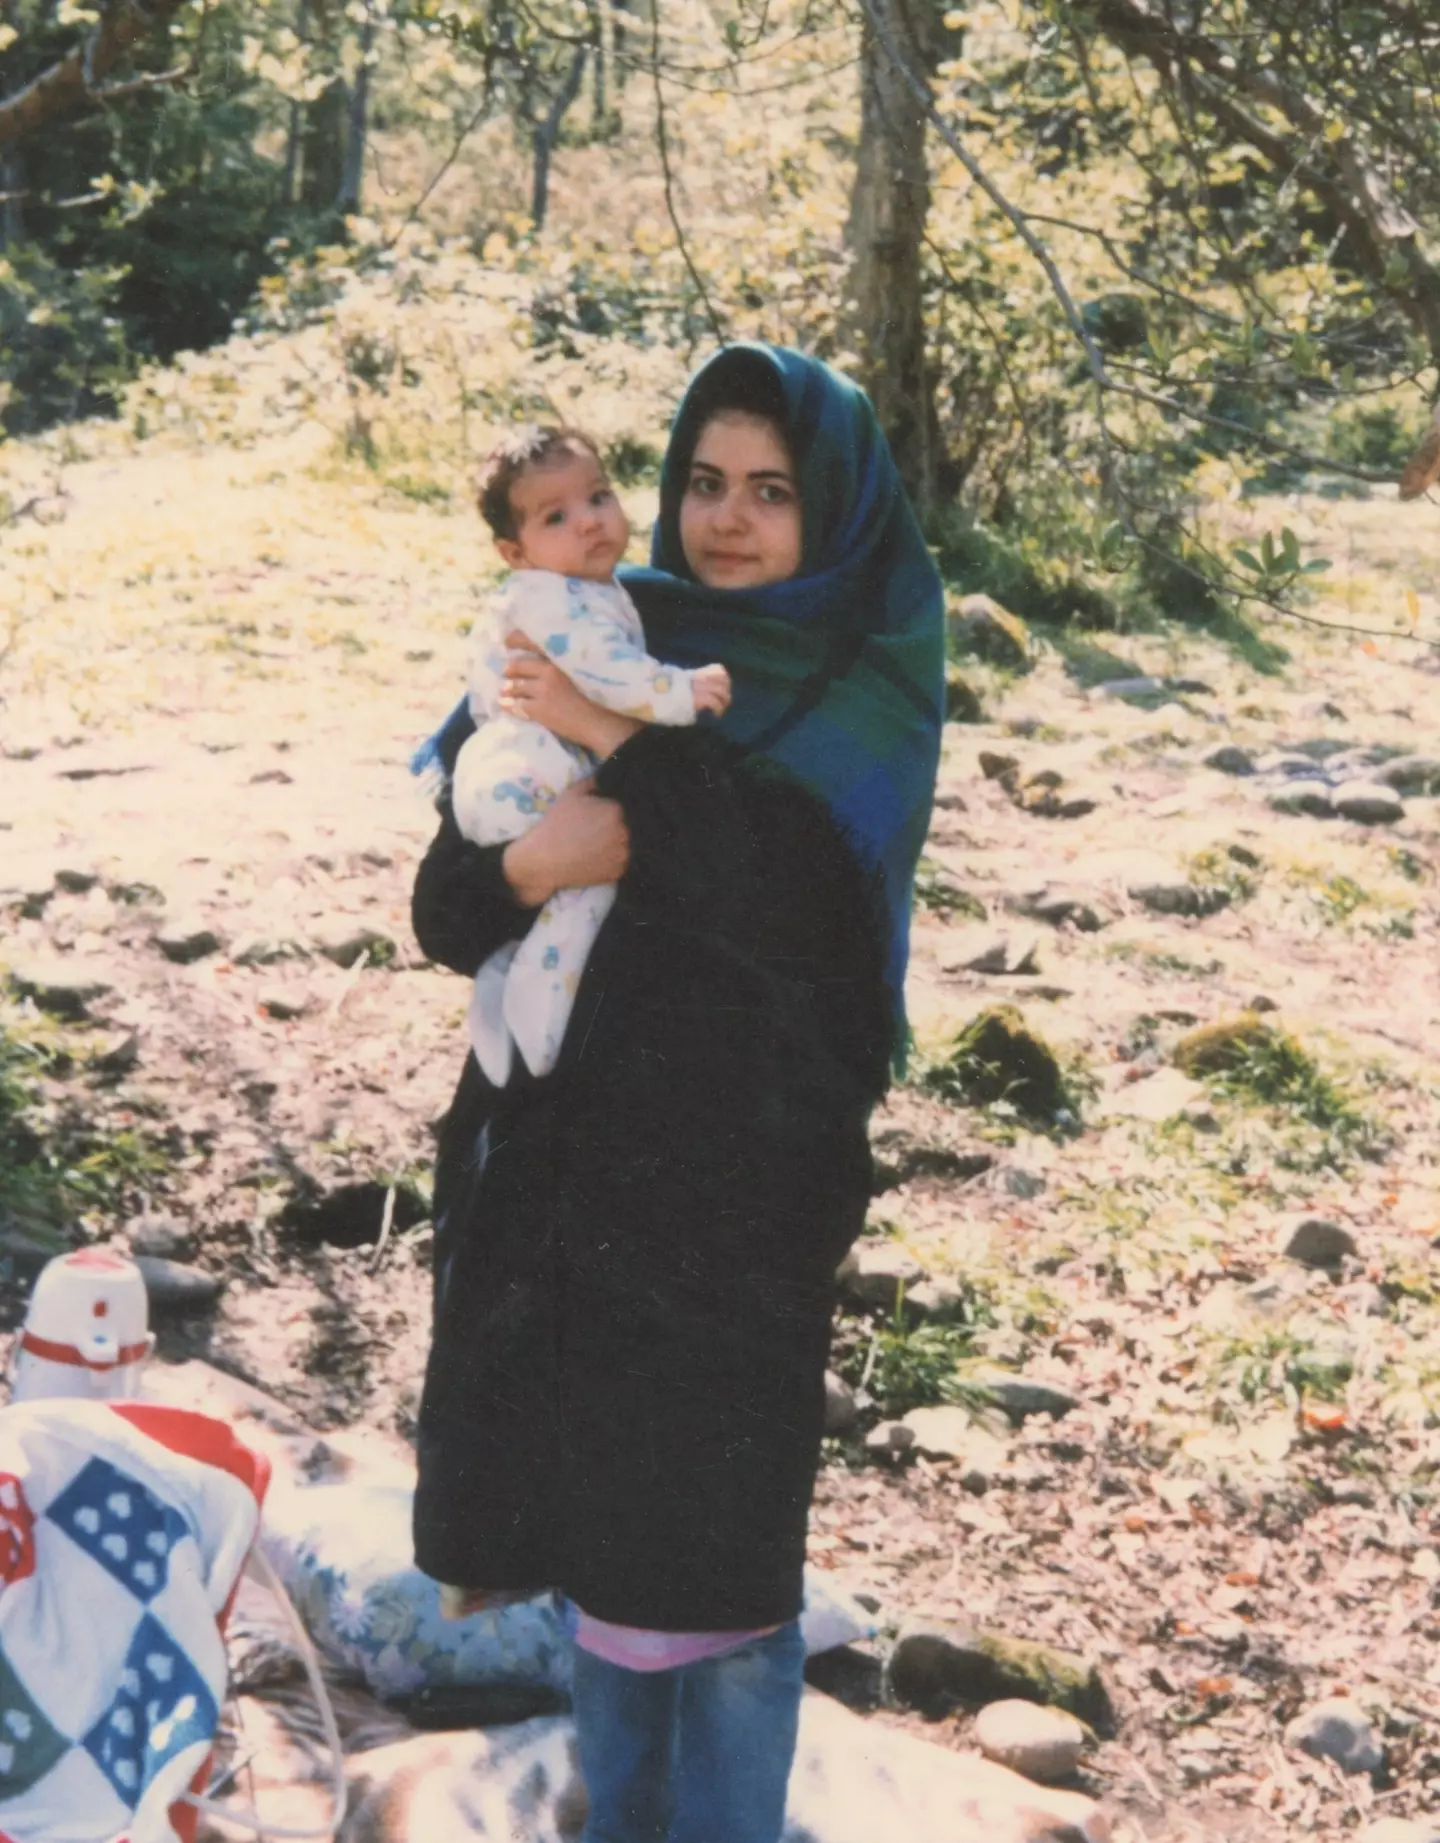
(937, 892)
(1273, 1070)
(904, 1365)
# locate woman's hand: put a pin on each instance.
(535, 687)
(581, 840)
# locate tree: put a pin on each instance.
(889, 205)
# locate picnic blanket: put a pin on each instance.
(123, 1530)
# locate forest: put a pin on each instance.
(1104, 267)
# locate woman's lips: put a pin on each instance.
(727, 559)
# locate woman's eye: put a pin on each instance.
(704, 486)
(773, 495)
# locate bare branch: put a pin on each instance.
(70, 83)
(662, 147)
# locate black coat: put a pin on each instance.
(634, 1257)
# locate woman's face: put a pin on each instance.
(740, 516)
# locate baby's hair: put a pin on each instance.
(529, 447)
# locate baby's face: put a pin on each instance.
(567, 519)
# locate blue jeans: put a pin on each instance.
(696, 1755)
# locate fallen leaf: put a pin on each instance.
(1324, 1420)
(1214, 1686)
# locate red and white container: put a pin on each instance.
(87, 1331)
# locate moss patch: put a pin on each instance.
(998, 1057)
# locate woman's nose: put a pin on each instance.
(729, 512)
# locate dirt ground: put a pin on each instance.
(219, 666)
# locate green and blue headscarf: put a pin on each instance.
(839, 671)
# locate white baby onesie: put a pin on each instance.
(512, 770)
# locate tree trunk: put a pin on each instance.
(12, 188)
(547, 133)
(322, 147)
(889, 203)
(352, 176)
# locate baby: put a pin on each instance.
(559, 527)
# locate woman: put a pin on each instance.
(635, 1255)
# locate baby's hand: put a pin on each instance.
(711, 685)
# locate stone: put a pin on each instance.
(75, 881)
(1042, 1744)
(935, 1664)
(840, 1408)
(1018, 1182)
(1337, 1729)
(264, 950)
(1400, 1830)
(937, 1301)
(120, 1056)
(997, 1057)
(1018, 1396)
(997, 767)
(1165, 1095)
(980, 626)
(1289, 762)
(65, 986)
(1191, 899)
(173, 1289)
(136, 893)
(1217, 1049)
(1316, 1242)
(1136, 690)
(1412, 774)
(1321, 748)
(345, 944)
(1058, 906)
(284, 1007)
(185, 941)
(876, 1273)
(1230, 758)
(952, 1433)
(160, 1236)
(1369, 803)
(962, 700)
(1305, 800)
(26, 1247)
(889, 1440)
(1006, 954)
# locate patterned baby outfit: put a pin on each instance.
(512, 770)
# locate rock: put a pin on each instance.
(66, 987)
(997, 1057)
(952, 1433)
(981, 627)
(1019, 1182)
(1043, 1744)
(996, 767)
(1194, 899)
(136, 894)
(962, 700)
(1006, 954)
(26, 1247)
(264, 950)
(1045, 796)
(75, 881)
(174, 1289)
(1019, 1396)
(1136, 690)
(875, 1274)
(935, 1664)
(1161, 1096)
(1317, 1242)
(938, 1301)
(120, 1056)
(840, 1409)
(1230, 758)
(1400, 1830)
(187, 941)
(285, 1007)
(1289, 762)
(1217, 1049)
(1057, 906)
(345, 944)
(1306, 799)
(889, 1440)
(160, 1236)
(1412, 774)
(1370, 803)
(1337, 1729)
(1321, 748)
